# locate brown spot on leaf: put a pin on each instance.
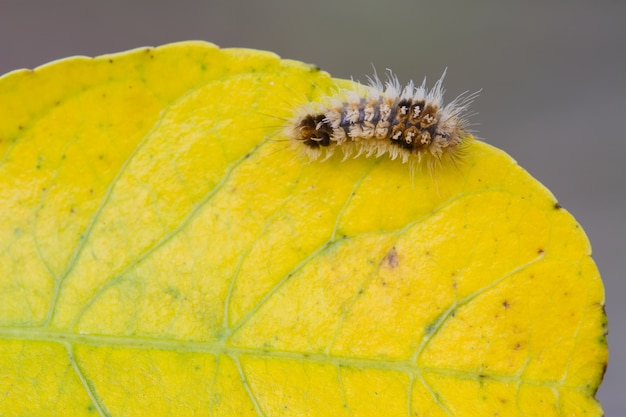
(391, 259)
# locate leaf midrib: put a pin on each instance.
(42, 334)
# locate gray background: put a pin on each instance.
(553, 75)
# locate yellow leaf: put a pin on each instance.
(163, 251)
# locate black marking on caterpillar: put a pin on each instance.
(408, 123)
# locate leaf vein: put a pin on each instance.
(466, 300)
(159, 243)
(91, 392)
(244, 381)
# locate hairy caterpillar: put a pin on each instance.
(407, 123)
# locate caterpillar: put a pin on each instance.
(407, 123)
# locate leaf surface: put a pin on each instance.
(164, 251)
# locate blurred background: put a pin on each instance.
(552, 73)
